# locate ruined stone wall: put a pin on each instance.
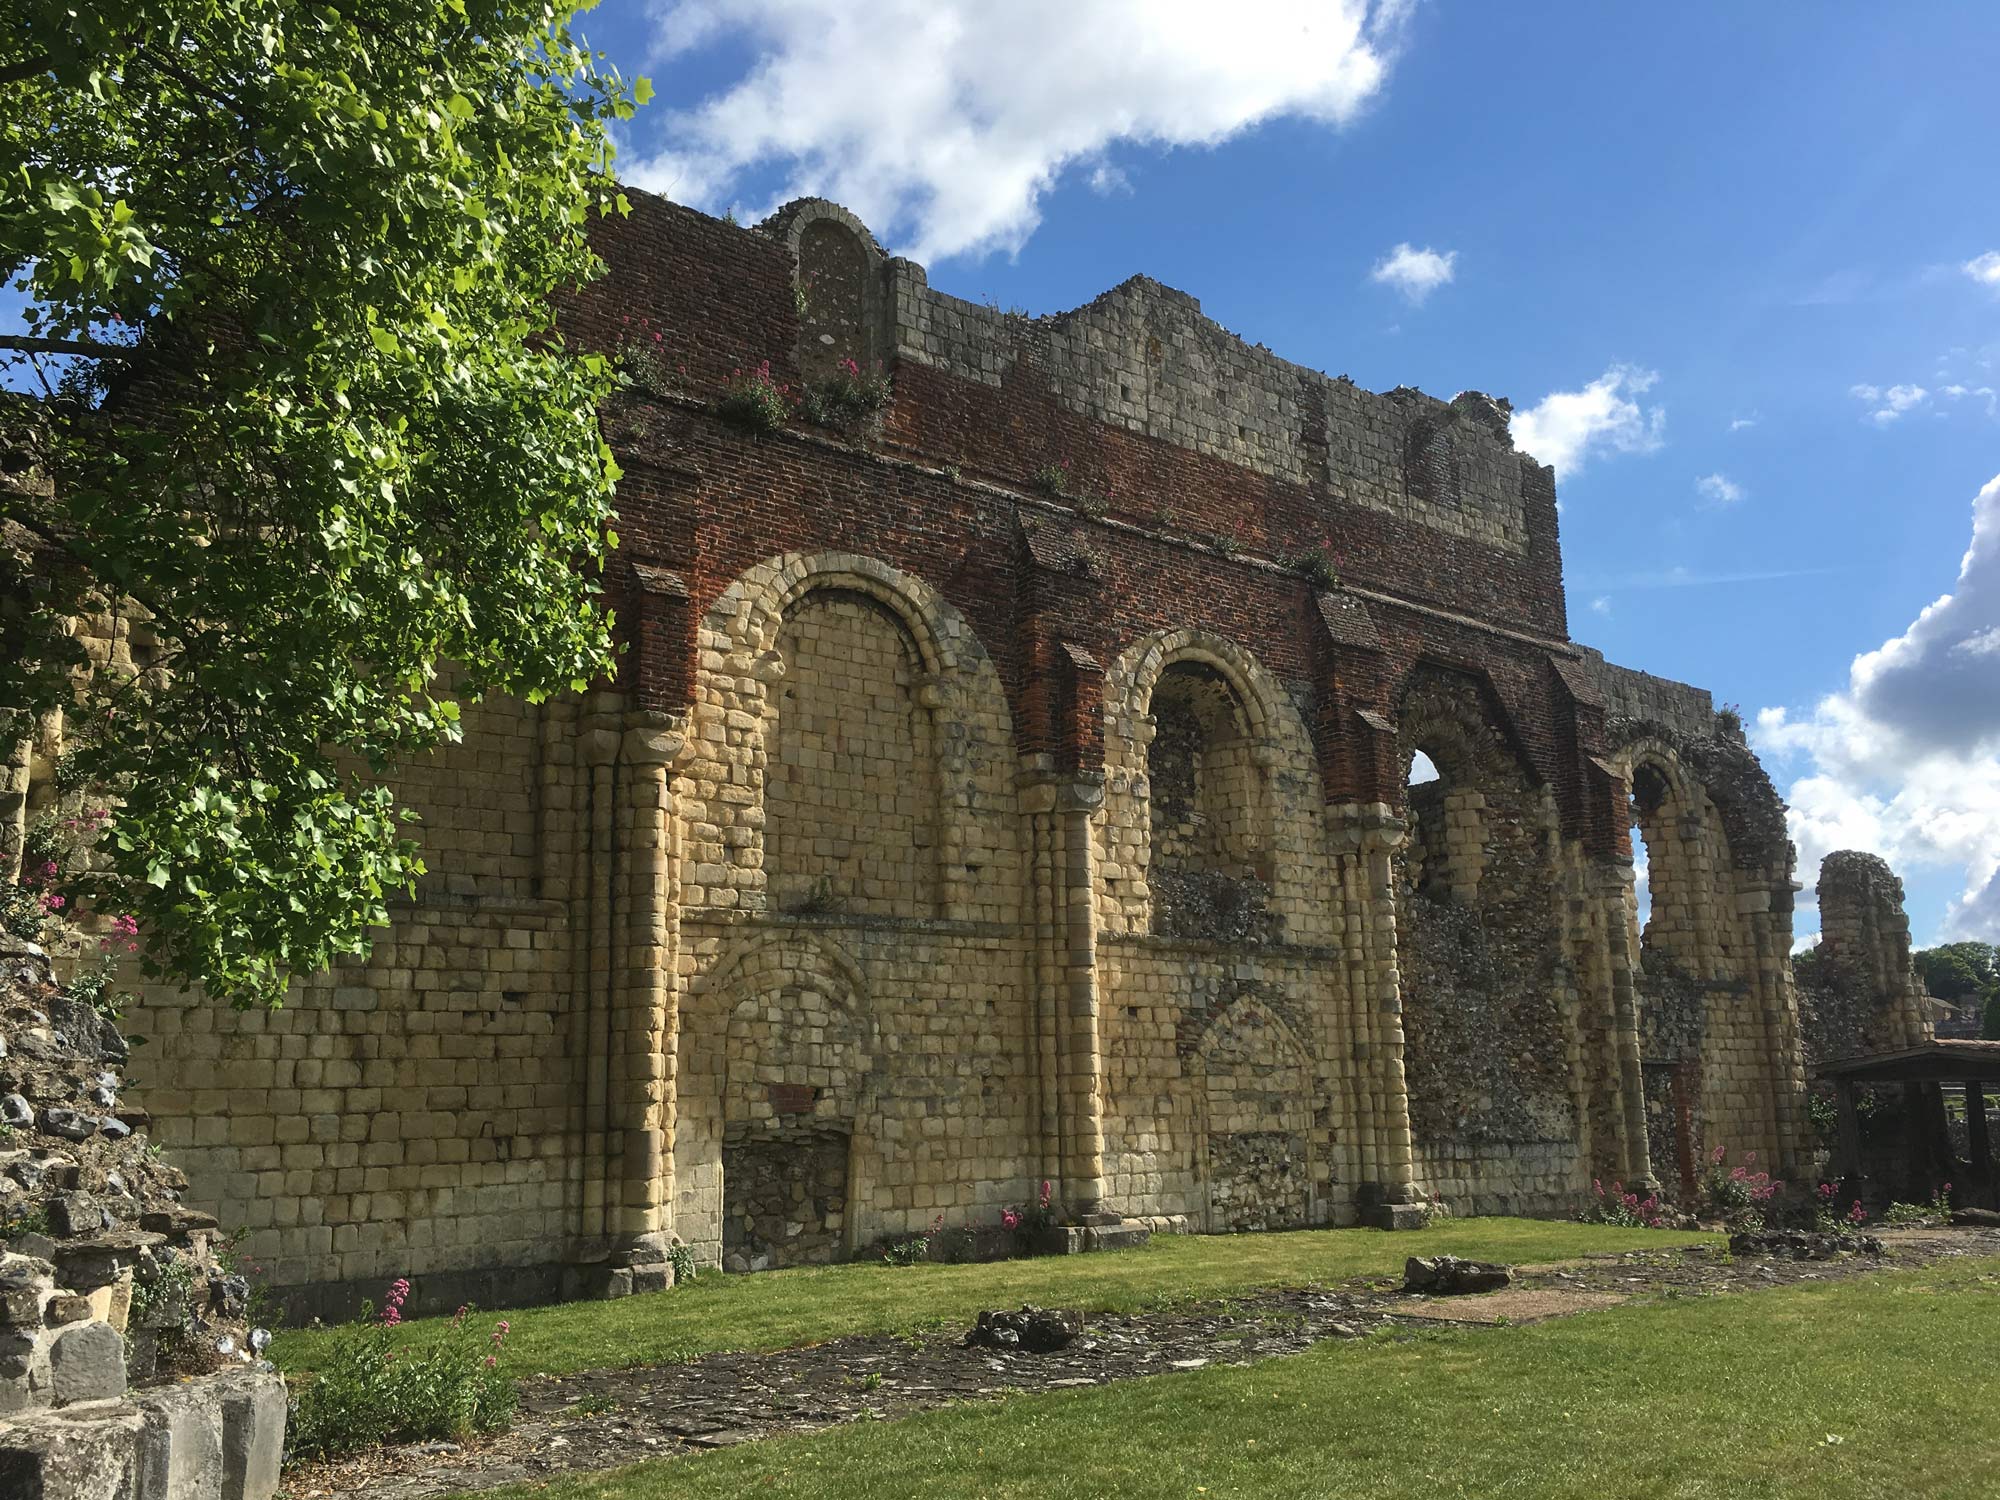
(1862, 992)
(948, 829)
(1718, 1021)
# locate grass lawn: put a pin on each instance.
(1882, 1386)
(786, 1309)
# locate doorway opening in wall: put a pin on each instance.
(784, 1199)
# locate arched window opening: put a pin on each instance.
(833, 298)
(1445, 852)
(1210, 864)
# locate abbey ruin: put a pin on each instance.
(1015, 786)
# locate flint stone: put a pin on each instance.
(229, 1295)
(114, 1128)
(1038, 1330)
(40, 1246)
(16, 1111)
(29, 1173)
(1448, 1276)
(67, 1123)
(67, 1307)
(87, 1363)
(73, 1214)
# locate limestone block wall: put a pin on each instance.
(911, 1042)
(415, 1113)
(1142, 357)
(1231, 1093)
(941, 835)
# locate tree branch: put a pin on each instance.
(26, 68)
(89, 349)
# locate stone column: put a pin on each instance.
(1614, 899)
(1365, 837)
(645, 1018)
(602, 732)
(1060, 809)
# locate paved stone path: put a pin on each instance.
(601, 1419)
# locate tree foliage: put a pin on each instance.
(1958, 970)
(289, 270)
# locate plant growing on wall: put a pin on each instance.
(288, 274)
(754, 400)
(1317, 565)
(846, 398)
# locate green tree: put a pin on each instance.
(1957, 970)
(289, 269)
(1990, 1023)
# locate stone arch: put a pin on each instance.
(1261, 874)
(1254, 1119)
(962, 843)
(837, 269)
(1688, 951)
(785, 1043)
(1454, 719)
(1691, 926)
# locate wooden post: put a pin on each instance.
(1982, 1151)
(1849, 1144)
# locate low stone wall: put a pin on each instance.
(74, 1432)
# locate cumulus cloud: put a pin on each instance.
(1985, 269)
(1905, 761)
(1567, 428)
(1718, 489)
(1888, 406)
(942, 123)
(1601, 605)
(1413, 272)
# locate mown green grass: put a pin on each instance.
(786, 1309)
(1867, 1388)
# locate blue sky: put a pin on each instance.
(1737, 266)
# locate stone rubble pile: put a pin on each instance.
(1448, 1276)
(110, 1288)
(1036, 1330)
(1797, 1244)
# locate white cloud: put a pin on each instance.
(1565, 428)
(1601, 605)
(1905, 762)
(1718, 489)
(1413, 272)
(1737, 424)
(1106, 180)
(1985, 268)
(943, 122)
(1889, 405)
